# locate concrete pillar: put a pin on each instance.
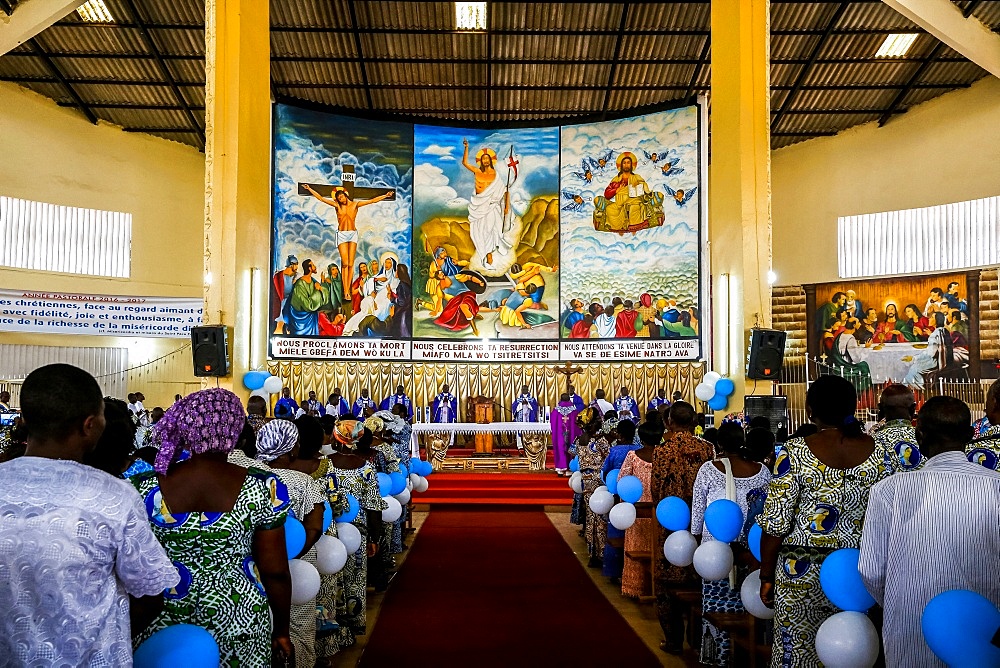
(237, 177)
(740, 182)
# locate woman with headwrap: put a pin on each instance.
(592, 448)
(351, 473)
(277, 449)
(222, 526)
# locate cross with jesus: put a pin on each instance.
(569, 371)
(343, 199)
(347, 183)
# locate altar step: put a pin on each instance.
(535, 489)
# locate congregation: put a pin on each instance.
(120, 539)
(830, 485)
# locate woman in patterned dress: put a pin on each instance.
(352, 474)
(750, 478)
(636, 577)
(401, 446)
(816, 504)
(277, 449)
(222, 526)
(592, 449)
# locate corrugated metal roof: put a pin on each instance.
(541, 60)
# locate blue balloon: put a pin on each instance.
(612, 481)
(405, 468)
(295, 537)
(398, 480)
(718, 402)
(842, 582)
(422, 467)
(724, 519)
(254, 380)
(574, 464)
(630, 489)
(327, 516)
(958, 626)
(673, 513)
(353, 508)
(384, 484)
(753, 538)
(179, 645)
(725, 387)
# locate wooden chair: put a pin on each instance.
(644, 510)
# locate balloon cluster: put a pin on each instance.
(846, 638)
(715, 391)
(419, 470)
(261, 384)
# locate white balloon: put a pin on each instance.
(847, 640)
(679, 548)
(403, 497)
(305, 581)
(392, 513)
(750, 594)
(331, 555)
(272, 385)
(704, 391)
(576, 482)
(602, 488)
(409, 485)
(414, 478)
(421, 485)
(602, 502)
(262, 393)
(326, 450)
(711, 378)
(349, 536)
(622, 516)
(713, 560)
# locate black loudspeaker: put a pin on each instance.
(766, 354)
(210, 350)
(775, 409)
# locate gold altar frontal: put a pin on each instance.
(422, 381)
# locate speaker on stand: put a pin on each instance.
(766, 354)
(210, 351)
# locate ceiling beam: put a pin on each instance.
(361, 55)
(61, 79)
(622, 22)
(30, 18)
(165, 72)
(914, 81)
(807, 68)
(965, 34)
(703, 59)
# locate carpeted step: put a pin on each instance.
(496, 488)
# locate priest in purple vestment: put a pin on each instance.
(564, 430)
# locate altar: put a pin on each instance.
(535, 437)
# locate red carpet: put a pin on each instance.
(533, 489)
(498, 588)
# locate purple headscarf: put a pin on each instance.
(206, 421)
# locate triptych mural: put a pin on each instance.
(400, 241)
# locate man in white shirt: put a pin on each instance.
(930, 531)
(76, 542)
(601, 403)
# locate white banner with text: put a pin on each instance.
(107, 315)
(348, 348)
(634, 350)
(485, 351)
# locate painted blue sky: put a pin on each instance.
(312, 147)
(443, 186)
(661, 260)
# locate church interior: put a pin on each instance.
(515, 216)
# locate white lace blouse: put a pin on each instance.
(710, 485)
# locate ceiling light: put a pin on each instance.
(470, 15)
(896, 45)
(772, 277)
(95, 11)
